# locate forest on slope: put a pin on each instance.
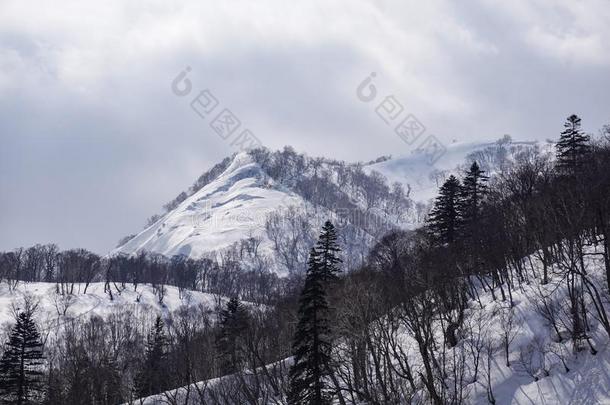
(434, 315)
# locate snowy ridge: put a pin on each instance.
(423, 179)
(229, 209)
(235, 205)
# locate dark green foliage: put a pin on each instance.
(311, 347)
(21, 364)
(444, 220)
(154, 377)
(474, 188)
(326, 252)
(312, 339)
(473, 191)
(573, 147)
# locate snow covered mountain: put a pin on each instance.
(252, 194)
(229, 209)
(423, 179)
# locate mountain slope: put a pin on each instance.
(234, 202)
(230, 208)
(423, 179)
(55, 309)
(542, 370)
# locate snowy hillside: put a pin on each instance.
(423, 179)
(54, 309)
(235, 205)
(543, 369)
(231, 208)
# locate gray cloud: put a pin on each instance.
(93, 141)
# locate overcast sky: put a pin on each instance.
(93, 140)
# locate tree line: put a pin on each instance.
(74, 270)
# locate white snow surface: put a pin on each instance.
(49, 313)
(231, 208)
(587, 382)
(414, 169)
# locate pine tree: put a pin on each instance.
(573, 146)
(327, 251)
(474, 188)
(311, 347)
(21, 364)
(153, 377)
(233, 322)
(312, 339)
(444, 220)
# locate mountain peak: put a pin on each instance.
(278, 199)
(228, 209)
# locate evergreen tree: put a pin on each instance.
(233, 322)
(312, 339)
(21, 364)
(573, 146)
(153, 377)
(444, 219)
(327, 251)
(311, 346)
(474, 188)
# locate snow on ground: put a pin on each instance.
(235, 205)
(586, 383)
(51, 306)
(231, 208)
(414, 170)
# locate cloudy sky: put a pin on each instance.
(93, 140)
